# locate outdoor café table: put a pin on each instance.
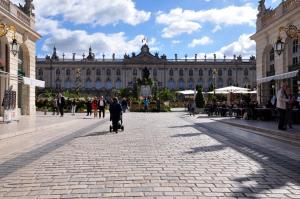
(264, 113)
(239, 112)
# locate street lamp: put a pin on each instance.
(291, 31)
(4, 29)
(279, 46)
(214, 79)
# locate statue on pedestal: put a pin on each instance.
(28, 7)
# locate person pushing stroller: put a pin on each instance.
(115, 110)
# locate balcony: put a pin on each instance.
(270, 73)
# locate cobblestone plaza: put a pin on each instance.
(159, 155)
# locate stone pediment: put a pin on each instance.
(144, 57)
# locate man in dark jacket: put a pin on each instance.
(61, 104)
(115, 110)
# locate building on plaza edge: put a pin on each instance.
(277, 48)
(17, 28)
(94, 75)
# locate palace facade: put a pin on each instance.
(17, 56)
(277, 48)
(94, 75)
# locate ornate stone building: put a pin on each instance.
(92, 74)
(17, 29)
(277, 48)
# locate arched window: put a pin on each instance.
(88, 83)
(272, 55)
(220, 72)
(220, 83)
(296, 54)
(200, 83)
(191, 84)
(108, 72)
(57, 71)
(200, 72)
(229, 72)
(135, 72)
(246, 72)
(88, 72)
(68, 72)
(118, 72)
(210, 72)
(154, 72)
(108, 84)
(181, 84)
(98, 84)
(98, 72)
(191, 72)
(171, 72)
(229, 82)
(41, 72)
(58, 84)
(68, 84)
(118, 84)
(181, 72)
(295, 46)
(171, 84)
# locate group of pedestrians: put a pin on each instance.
(59, 104)
(96, 105)
(284, 103)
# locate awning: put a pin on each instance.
(278, 77)
(187, 92)
(34, 82)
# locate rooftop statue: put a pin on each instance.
(28, 7)
(261, 7)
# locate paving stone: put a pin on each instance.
(164, 156)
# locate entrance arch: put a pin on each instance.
(23, 71)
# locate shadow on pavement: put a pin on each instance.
(14, 164)
(186, 135)
(207, 149)
(277, 170)
(98, 134)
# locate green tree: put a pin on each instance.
(166, 95)
(199, 98)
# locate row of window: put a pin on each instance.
(171, 72)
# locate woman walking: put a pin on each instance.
(95, 107)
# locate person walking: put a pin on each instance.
(73, 107)
(146, 104)
(101, 106)
(158, 105)
(88, 107)
(281, 106)
(55, 105)
(289, 109)
(124, 105)
(95, 107)
(115, 110)
(61, 104)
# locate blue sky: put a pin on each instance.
(171, 26)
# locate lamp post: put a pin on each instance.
(4, 29)
(214, 80)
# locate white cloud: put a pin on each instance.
(78, 41)
(243, 46)
(202, 41)
(179, 21)
(95, 12)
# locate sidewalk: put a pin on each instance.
(267, 128)
(29, 124)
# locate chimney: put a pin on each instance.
(74, 56)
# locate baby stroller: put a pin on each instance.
(120, 124)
